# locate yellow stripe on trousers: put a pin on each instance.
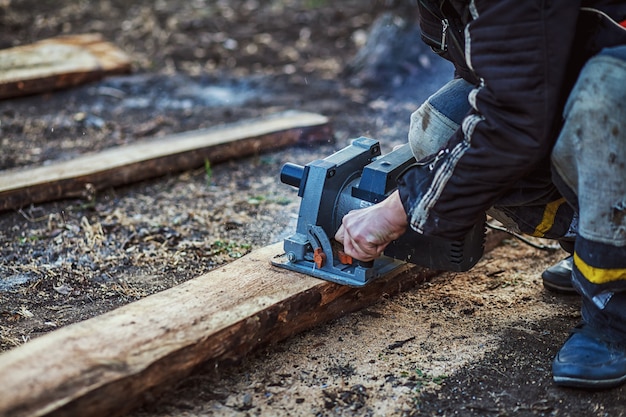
(549, 215)
(599, 275)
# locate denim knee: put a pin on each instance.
(618, 52)
(438, 118)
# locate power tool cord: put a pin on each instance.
(522, 238)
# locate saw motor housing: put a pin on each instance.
(355, 177)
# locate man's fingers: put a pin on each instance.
(339, 236)
(361, 251)
(355, 251)
(350, 246)
(366, 232)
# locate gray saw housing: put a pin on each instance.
(355, 177)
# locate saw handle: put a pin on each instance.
(292, 174)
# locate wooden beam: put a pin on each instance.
(156, 157)
(57, 63)
(105, 365)
(108, 365)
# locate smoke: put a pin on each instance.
(393, 57)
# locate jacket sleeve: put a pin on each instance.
(519, 52)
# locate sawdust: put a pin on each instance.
(388, 359)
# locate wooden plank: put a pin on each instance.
(103, 366)
(156, 157)
(107, 365)
(57, 63)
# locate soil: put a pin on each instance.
(476, 343)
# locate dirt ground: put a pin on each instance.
(471, 344)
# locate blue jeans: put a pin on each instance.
(590, 169)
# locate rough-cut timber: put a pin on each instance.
(57, 63)
(156, 157)
(108, 365)
(103, 366)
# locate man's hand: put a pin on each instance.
(365, 233)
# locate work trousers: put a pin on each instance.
(584, 196)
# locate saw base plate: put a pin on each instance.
(353, 276)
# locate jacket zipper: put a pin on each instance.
(444, 31)
(445, 25)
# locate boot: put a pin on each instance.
(558, 278)
(594, 356)
(588, 359)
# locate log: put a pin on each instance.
(57, 63)
(157, 157)
(105, 365)
(110, 364)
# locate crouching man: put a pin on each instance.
(533, 131)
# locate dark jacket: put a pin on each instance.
(523, 57)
